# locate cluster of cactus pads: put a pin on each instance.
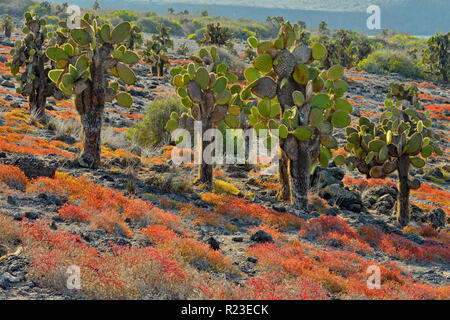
(208, 90)
(216, 35)
(302, 101)
(30, 53)
(401, 138)
(6, 26)
(155, 51)
(84, 57)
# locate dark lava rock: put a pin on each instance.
(215, 245)
(237, 239)
(34, 167)
(31, 215)
(437, 217)
(261, 236)
(345, 198)
(323, 177)
(252, 260)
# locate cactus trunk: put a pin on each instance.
(205, 174)
(284, 193)
(37, 101)
(403, 208)
(90, 104)
(300, 169)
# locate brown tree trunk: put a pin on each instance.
(403, 210)
(300, 178)
(205, 172)
(284, 193)
(37, 101)
(90, 104)
(38, 98)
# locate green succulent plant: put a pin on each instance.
(303, 102)
(401, 138)
(155, 51)
(216, 35)
(437, 55)
(156, 55)
(7, 26)
(30, 54)
(209, 91)
(84, 57)
(135, 37)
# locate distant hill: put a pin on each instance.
(416, 17)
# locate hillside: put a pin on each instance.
(413, 16)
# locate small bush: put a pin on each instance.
(391, 61)
(223, 187)
(150, 132)
(13, 177)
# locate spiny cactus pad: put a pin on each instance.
(76, 58)
(402, 131)
(309, 98)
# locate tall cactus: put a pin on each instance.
(216, 35)
(30, 53)
(135, 37)
(84, 57)
(6, 26)
(156, 55)
(155, 51)
(304, 103)
(207, 89)
(401, 138)
(437, 55)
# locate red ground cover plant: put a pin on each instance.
(118, 273)
(364, 183)
(242, 209)
(13, 177)
(441, 197)
(341, 273)
(70, 212)
(105, 208)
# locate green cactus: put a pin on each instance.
(401, 138)
(216, 35)
(30, 53)
(302, 101)
(135, 37)
(437, 56)
(83, 58)
(7, 26)
(208, 90)
(155, 51)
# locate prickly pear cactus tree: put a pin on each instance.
(216, 35)
(163, 38)
(30, 54)
(208, 90)
(437, 55)
(156, 55)
(89, 54)
(401, 138)
(6, 26)
(135, 37)
(304, 103)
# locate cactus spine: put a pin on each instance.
(206, 88)
(299, 100)
(83, 58)
(30, 53)
(401, 138)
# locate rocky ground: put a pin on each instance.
(147, 173)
